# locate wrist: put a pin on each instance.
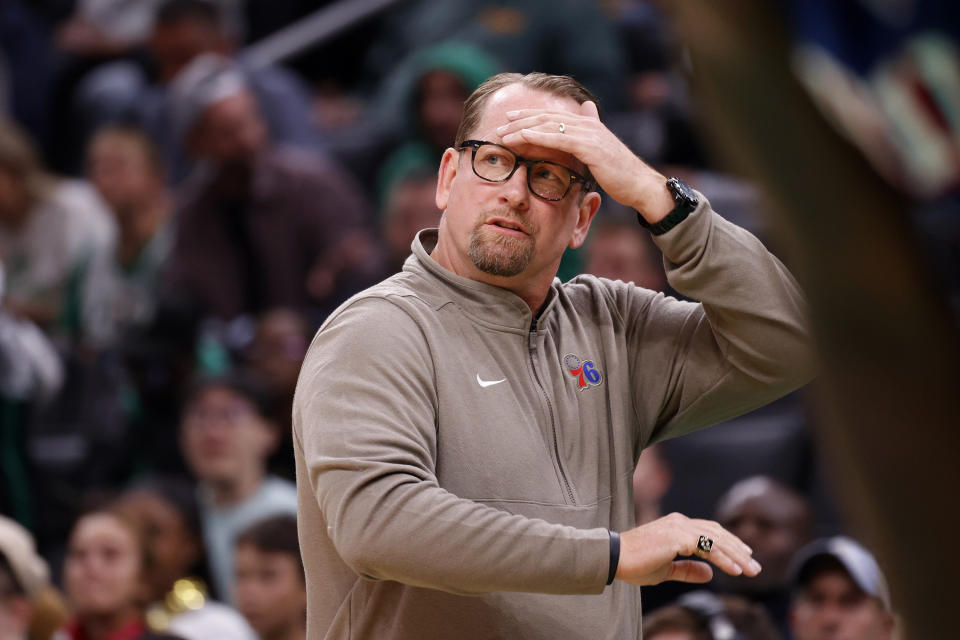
(614, 556)
(657, 202)
(684, 200)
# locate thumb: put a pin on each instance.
(690, 571)
(589, 109)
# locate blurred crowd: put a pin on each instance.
(177, 217)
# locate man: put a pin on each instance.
(119, 288)
(256, 217)
(226, 439)
(470, 426)
(840, 593)
(270, 587)
(775, 521)
(49, 230)
(179, 32)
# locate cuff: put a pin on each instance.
(614, 556)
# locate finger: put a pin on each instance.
(727, 546)
(719, 558)
(724, 538)
(690, 571)
(589, 109)
(550, 121)
(527, 113)
(557, 140)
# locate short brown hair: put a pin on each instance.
(276, 534)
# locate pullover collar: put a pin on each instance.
(484, 303)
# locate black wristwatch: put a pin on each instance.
(686, 200)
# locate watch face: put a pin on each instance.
(682, 192)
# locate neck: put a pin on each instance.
(100, 626)
(141, 223)
(236, 490)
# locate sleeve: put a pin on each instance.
(365, 414)
(743, 345)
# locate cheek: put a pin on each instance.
(284, 595)
(73, 578)
(123, 574)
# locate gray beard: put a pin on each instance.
(499, 255)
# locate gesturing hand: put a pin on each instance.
(648, 553)
(618, 171)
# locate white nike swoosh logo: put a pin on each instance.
(487, 383)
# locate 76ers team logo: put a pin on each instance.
(585, 372)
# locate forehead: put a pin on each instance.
(514, 97)
(101, 526)
(831, 579)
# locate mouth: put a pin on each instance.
(510, 227)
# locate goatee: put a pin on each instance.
(499, 254)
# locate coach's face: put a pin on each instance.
(500, 232)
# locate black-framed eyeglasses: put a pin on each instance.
(548, 180)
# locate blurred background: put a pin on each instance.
(188, 188)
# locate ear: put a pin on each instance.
(449, 165)
(585, 213)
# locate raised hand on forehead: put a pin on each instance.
(618, 171)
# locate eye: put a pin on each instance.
(548, 173)
(494, 157)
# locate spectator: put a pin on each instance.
(274, 355)
(49, 229)
(166, 508)
(839, 592)
(435, 83)
(120, 289)
(270, 585)
(410, 206)
(104, 575)
(700, 615)
(184, 30)
(227, 438)
(622, 250)
(258, 218)
(776, 522)
(29, 606)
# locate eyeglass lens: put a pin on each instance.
(547, 180)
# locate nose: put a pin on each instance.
(514, 192)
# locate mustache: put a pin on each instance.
(508, 215)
